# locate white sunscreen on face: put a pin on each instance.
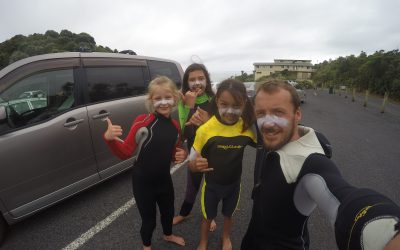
(169, 102)
(271, 120)
(231, 111)
(197, 84)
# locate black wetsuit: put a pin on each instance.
(151, 180)
(193, 179)
(289, 184)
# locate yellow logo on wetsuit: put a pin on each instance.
(225, 147)
(362, 213)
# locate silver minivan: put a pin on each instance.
(52, 112)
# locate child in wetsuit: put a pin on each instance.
(193, 112)
(151, 180)
(218, 152)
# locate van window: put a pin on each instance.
(37, 97)
(168, 69)
(108, 83)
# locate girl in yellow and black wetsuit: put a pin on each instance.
(218, 151)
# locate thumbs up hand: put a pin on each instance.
(113, 131)
(180, 155)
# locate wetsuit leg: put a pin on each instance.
(230, 200)
(165, 201)
(146, 203)
(209, 201)
(193, 182)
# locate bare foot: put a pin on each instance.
(147, 248)
(213, 226)
(175, 239)
(226, 244)
(202, 246)
(177, 219)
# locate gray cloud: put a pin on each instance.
(228, 35)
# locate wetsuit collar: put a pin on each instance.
(293, 154)
(202, 99)
(160, 116)
(218, 117)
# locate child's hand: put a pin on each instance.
(113, 131)
(180, 155)
(199, 117)
(189, 99)
(200, 164)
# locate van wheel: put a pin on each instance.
(3, 229)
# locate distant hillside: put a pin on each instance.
(19, 46)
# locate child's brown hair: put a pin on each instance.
(238, 91)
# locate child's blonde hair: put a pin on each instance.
(161, 81)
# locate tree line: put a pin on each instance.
(20, 46)
(378, 73)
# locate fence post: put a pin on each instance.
(385, 98)
(366, 98)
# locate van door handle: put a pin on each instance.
(102, 114)
(72, 123)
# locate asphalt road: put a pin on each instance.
(365, 147)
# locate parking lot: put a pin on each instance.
(365, 147)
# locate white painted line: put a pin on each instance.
(83, 238)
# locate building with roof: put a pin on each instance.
(298, 69)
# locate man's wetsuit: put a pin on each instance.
(151, 181)
(289, 184)
(223, 146)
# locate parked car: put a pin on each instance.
(294, 83)
(250, 89)
(214, 86)
(301, 92)
(52, 112)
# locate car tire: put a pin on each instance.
(3, 229)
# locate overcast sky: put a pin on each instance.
(226, 35)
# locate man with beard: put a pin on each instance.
(293, 175)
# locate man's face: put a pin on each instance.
(276, 118)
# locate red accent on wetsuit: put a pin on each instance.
(126, 149)
(151, 180)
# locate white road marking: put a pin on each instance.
(83, 238)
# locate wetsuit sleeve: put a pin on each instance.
(321, 184)
(358, 215)
(199, 140)
(126, 149)
(366, 220)
(183, 112)
(179, 139)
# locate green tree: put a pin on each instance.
(378, 73)
(17, 55)
(20, 46)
